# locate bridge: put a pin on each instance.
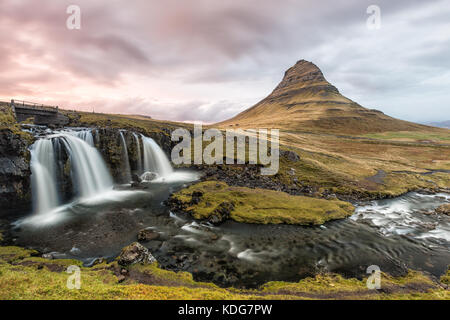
(42, 115)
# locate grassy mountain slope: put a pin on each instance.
(306, 101)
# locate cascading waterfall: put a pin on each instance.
(86, 136)
(155, 160)
(45, 195)
(139, 153)
(126, 158)
(90, 172)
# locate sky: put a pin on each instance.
(207, 60)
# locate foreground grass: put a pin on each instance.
(260, 206)
(24, 276)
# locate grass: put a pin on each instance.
(261, 206)
(143, 125)
(9, 122)
(412, 136)
(24, 276)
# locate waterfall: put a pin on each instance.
(89, 170)
(90, 175)
(43, 179)
(126, 158)
(139, 153)
(86, 136)
(155, 160)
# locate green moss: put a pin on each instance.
(446, 278)
(8, 122)
(261, 206)
(23, 276)
(414, 285)
(11, 254)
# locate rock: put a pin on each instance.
(428, 213)
(149, 176)
(429, 226)
(135, 178)
(292, 172)
(214, 237)
(135, 253)
(196, 197)
(290, 155)
(98, 261)
(48, 256)
(147, 235)
(15, 173)
(121, 278)
(221, 213)
(444, 209)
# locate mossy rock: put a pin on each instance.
(257, 206)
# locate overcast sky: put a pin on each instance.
(207, 60)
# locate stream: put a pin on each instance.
(103, 217)
(392, 234)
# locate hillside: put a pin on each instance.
(305, 101)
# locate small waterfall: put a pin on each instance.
(90, 172)
(86, 136)
(155, 160)
(139, 153)
(43, 179)
(126, 158)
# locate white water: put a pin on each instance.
(155, 160)
(91, 179)
(45, 196)
(402, 216)
(139, 153)
(90, 173)
(126, 158)
(85, 135)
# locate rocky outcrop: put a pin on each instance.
(135, 253)
(15, 180)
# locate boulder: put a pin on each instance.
(221, 213)
(444, 209)
(149, 176)
(290, 155)
(135, 178)
(147, 235)
(135, 253)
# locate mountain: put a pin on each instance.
(305, 101)
(441, 124)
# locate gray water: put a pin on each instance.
(235, 254)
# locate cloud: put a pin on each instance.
(207, 61)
